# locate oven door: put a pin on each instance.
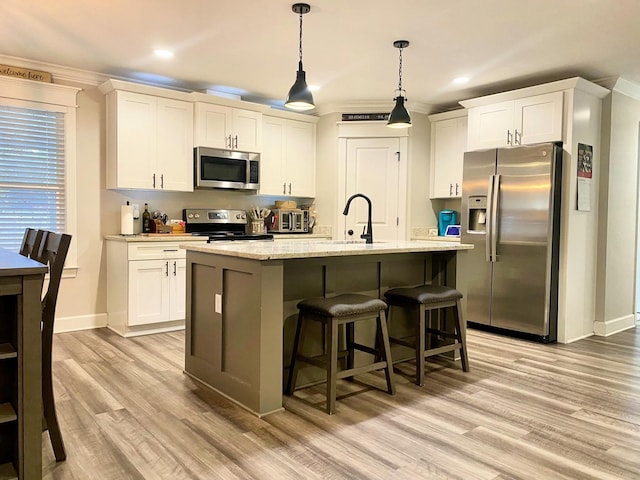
(215, 168)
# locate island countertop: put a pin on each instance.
(280, 250)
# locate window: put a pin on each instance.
(32, 173)
(37, 161)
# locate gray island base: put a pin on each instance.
(241, 303)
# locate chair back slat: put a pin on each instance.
(52, 252)
(32, 242)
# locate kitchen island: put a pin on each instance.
(242, 296)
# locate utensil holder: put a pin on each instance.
(257, 226)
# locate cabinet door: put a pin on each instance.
(539, 119)
(490, 126)
(300, 154)
(213, 125)
(272, 158)
(177, 289)
(148, 292)
(174, 163)
(247, 130)
(134, 141)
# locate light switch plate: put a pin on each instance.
(218, 303)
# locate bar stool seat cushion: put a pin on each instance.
(423, 294)
(341, 305)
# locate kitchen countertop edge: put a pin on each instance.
(292, 249)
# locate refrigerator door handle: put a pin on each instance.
(489, 220)
(494, 217)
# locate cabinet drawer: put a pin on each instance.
(155, 250)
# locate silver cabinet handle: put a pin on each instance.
(457, 189)
(236, 145)
(154, 180)
(174, 269)
(166, 269)
(450, 189)
(162, 180)
(515, 137)
(284, 188)
(509, 141)
(169, 249)
(289, 189)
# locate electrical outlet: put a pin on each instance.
(433, 232)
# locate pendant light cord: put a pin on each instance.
(400, 73)
(300, 43)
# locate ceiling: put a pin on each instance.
(250, 47)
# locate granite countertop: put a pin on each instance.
(289, 249)
(157, 237)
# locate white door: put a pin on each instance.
(373, 166)
(247, 130)
(491, 126)
(174, 162)
(300, 167)
(539, 118)
(177, 289)
(148, 291)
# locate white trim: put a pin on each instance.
(377, 129)
(616, 325)
(57, 98)
(80, 322)
(581, 337)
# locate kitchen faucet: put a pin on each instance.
(367, 233)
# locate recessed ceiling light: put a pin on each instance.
(163, 53)
(460, 80)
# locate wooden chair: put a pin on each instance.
(31, 242)
(52, 252)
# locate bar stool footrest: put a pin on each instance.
(444, 349)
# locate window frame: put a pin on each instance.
(56, 98)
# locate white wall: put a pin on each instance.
(578, 244)
(617, 246)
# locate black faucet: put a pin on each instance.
(367, 234)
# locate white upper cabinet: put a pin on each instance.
(448, 144)
(219, 126)
(516, 122)
(149, 142)
(288, 160)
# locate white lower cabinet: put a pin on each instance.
(146, 286)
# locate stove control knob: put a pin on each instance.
(190, 215)
(196, 215)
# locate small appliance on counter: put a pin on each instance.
(288, 220)
(219, 224)
(446, 218)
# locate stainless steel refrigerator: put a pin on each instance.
(511, 214)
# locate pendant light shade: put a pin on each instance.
(399, 117)
(300, 97)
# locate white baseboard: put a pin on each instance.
(604, 329)
(80, 322)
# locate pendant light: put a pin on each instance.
(300, 97)
(399, 117)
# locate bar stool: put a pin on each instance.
(345, 309)
(419, 301)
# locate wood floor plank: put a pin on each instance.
(524, 411)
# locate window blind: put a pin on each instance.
(32, 172)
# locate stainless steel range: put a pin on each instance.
(219, 224)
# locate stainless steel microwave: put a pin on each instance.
(219, 168)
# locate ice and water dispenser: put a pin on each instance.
(477, 214)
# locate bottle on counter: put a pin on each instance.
(146, 219)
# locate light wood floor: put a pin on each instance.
(524, 411)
